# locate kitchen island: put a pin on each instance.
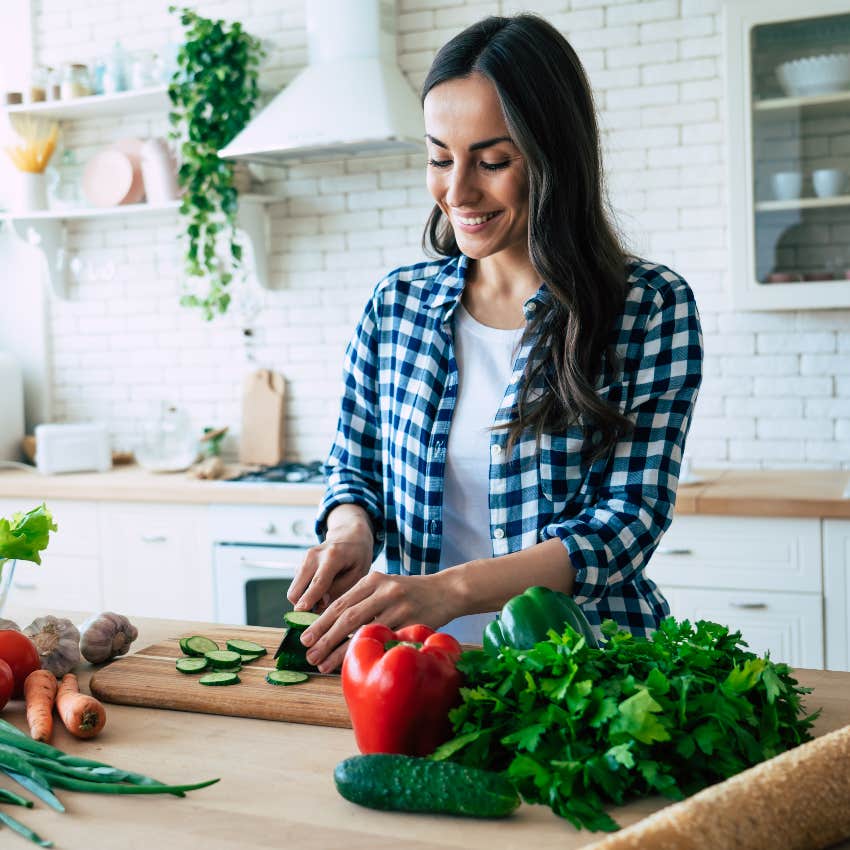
(276, 785)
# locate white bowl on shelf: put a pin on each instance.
(828, 182)
(787, 185)
(815, 75)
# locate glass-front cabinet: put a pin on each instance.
(788, 93)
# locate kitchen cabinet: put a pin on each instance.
(759, 575)
(788, 95)
(69, 573)
(836, 550)
(156, 560)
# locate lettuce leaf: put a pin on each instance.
(26, 534)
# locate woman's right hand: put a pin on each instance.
(336, 565)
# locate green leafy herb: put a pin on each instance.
(26, 535)
(579, 728)
(213, 94)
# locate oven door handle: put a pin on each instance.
(249, 564)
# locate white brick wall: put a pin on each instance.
(777, 386)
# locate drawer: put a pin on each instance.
(76, 521)
(273, 524)
(60, 582)
(789, 625)
(739, 552)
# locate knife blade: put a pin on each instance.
(282, 642)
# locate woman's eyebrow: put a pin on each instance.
(477, 146)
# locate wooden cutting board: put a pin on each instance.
(149, 678)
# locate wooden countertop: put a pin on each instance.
(732, 492)
(134, 484)
(277, 787)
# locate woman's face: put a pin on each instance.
(475, 172)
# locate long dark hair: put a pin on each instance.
(548, 108)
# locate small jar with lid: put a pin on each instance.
(76, 81)
(36, 88)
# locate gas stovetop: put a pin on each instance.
(284, 473)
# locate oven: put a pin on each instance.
(257, 551)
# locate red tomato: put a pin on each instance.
(19, 652)
(7, 682)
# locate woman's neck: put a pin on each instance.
(496, 289)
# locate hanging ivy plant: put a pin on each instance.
(213, 93)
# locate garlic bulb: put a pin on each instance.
(106, 636)
(9, 624)
(58, 643)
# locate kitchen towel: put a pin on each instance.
(799, 800)
(262, 438)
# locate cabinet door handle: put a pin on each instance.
(154, 538)
(671, 550)
(24, 586)
(749, 606)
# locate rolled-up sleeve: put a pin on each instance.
(353, 467)
(613, 536)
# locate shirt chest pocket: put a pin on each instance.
(560, 467)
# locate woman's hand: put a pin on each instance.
(393, 600)
(335, 566)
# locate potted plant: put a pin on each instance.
(213, 93)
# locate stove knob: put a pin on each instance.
(299, 528)
(271, 528)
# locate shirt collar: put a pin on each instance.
(450, 280)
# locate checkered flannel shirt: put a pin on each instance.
(400, 388)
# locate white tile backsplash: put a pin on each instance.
(777, 386)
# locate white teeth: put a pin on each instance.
(479, 220)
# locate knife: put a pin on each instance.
(282, 642)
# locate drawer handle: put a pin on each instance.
(271, 528)
(749, 606)
(21, 586)
(669, 550)
(154, 538)
(270, 565)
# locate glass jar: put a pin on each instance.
(65, 186)
(36, 89)
(76, 81)
(53, 86)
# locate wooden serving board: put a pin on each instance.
(149, 678)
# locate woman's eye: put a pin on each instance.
(495, 166)
(440, 163)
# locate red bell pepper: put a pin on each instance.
(399, 687)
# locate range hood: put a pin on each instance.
(350, 99)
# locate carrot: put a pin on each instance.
(83, 715)
(39, 695)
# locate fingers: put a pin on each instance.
(304, 575)
(335, 659)
(322, 565)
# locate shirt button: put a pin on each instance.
(499, 533)
(496, 451)
(531, 307)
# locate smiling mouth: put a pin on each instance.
(469, 222)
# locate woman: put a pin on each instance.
(515, 412)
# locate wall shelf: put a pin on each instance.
(786, 104)
(154, 99)
(48, 231)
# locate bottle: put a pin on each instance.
(115, 70)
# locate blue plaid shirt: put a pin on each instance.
(400, 388)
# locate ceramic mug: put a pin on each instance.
(828, 182)
(787, 185)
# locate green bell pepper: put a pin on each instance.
(526, 618)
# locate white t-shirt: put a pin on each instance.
(485, 358)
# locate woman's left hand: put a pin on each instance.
(395, 601)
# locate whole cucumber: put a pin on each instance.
(409, 784)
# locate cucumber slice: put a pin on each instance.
(221, 678)
(182, 643)
(299, 619)
(248, 658)
(198, 645)
(246, 647)
(231, 668)
(191, 665)
(221, 658)
(286, 677)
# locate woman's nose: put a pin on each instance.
(462, 188)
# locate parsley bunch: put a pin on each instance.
(578, 728)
